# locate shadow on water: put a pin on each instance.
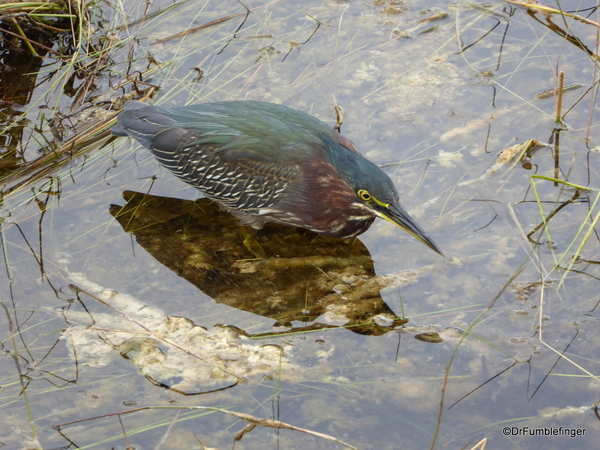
(302, 276)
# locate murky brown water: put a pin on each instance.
(437, 117)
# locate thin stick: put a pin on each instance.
(270, 423)
(549, 9)
(559, 127)
(340, 119)
(192, 30)
(48, 49)
(561, 83)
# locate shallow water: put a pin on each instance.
(437, 118)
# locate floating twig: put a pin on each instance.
(252, 420)
(340, 119)
(200, 27)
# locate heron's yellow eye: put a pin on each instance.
(364, 195)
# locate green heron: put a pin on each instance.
(264, 162)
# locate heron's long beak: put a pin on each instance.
(397, 215)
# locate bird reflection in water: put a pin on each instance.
(302, 276)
